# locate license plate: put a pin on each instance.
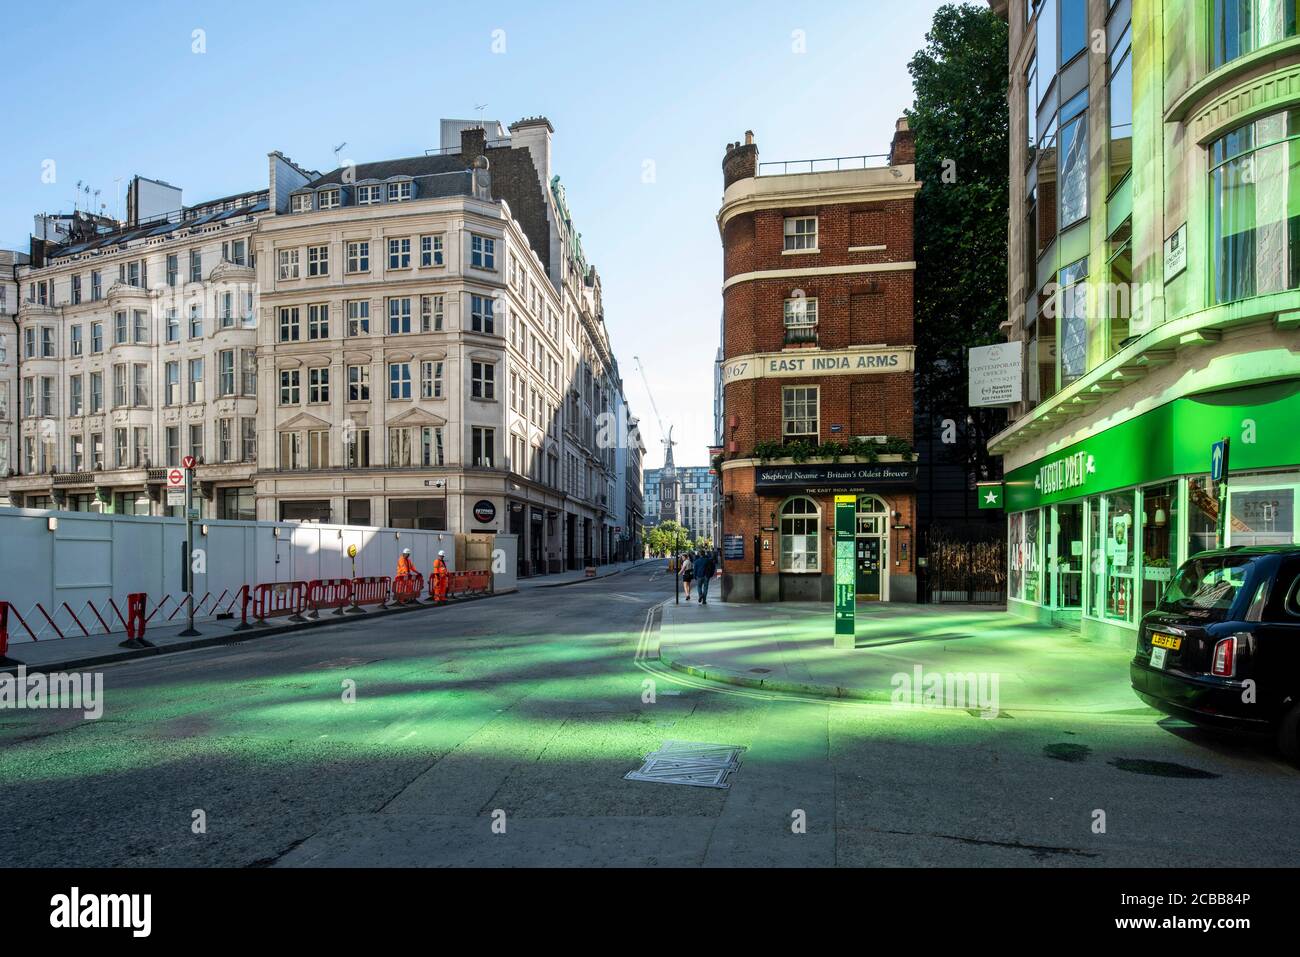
(1166, 641)
(1157, 658)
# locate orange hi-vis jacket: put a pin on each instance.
(440, 568)
(405, 566)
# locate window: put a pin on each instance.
(358, 383)
(399, 380)
(482, 252)
(196, 322)
(359, 317)
(140, 383)
(430, 380)
(140, 325)
(800, 522)
(1120, 303)
(800, 233)
(173, 326)
(225, 440)
(97, 450)
(430, 250)
(196, 265)
(196, 442)
(76, 290)
(318, 260)
(483, 446)
(431, 452)
(47, 396)
(196, 380)
(1256, 244)
(399, 253)
(318, 385)
(291, 450)
(357, 448)
(96, 337)
(1120, 93)
(74, 343)
(74, 395)
(120, 328)
(248, 366)
(119, 386)
(318, 449)
(1074, 160)
(96, 286)
(288, 264)
(368, 195)
(226, 373)
(431, 313)
(399, 192)
(301, 203)
(250, 311)
(289, 324)
(799, 412)
(1120, 563)
(172, 383)
(800, 311)
(133, 274)
(483, 380)
(173, 269)
(480, 314)
(96, 392)
(1073, 321)
(172, 437)
(327, 199)
(1242, 26)
(248, 440)
(359, 256)
(29, 342)
(399, 316)
(290, 383)
(226, 310)
(318, 321)
(119, 449)
(400, 448)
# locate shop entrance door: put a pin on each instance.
(868, 563)
(1069, 557)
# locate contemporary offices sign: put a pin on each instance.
(997, 375)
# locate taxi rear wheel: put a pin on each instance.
(1288, 733)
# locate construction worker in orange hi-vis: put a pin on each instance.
(404, 564)
(440, 579)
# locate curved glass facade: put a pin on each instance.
(1239, 27)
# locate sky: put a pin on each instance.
(643, 97)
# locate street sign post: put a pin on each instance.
(188, 571)
(846, 522)
(1219, 475)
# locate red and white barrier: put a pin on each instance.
(272, 599)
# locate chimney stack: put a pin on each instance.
(902, 151)
(740, 161)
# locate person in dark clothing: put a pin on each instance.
(705, 569)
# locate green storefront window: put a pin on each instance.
(1202, 515)
(1096, 562)
(1121, 556)
(1159, 528)
(1031, 553)
(1016, 555)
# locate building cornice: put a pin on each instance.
(853, 269)
(840, 187)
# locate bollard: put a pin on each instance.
(135, 622)
(243, 610)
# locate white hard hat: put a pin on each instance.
(441, 553)
(406, 551)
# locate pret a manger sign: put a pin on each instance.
(815, 362)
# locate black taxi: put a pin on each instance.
(1222, 648)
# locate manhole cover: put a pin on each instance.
(689, 762)
(1160, 769)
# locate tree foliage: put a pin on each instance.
(960, 124)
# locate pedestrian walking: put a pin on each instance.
(688, 573)
(440, 578)
(705, 569)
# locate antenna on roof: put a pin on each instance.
(338, 149)
(480, 107)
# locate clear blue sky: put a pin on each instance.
(109, 90)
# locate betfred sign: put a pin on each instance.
(484, 511)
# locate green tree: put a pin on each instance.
(960, 124)
(667, 538)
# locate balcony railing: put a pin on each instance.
(830, 164)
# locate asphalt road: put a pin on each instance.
(499, 733)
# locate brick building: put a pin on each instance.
(816, 371)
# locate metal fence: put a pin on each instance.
(963, 565)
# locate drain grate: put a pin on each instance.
(691, 763)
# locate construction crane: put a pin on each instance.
(667, 433)
(668, 483)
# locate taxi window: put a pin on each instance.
(1292, 606)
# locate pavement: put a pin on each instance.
(500, 733)
(788, 647)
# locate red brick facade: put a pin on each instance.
(860, 301)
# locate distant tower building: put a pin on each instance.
(669, 484)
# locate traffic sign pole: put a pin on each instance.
(188, 571)
(1219, 473)
(846, 509)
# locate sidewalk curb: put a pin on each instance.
(583, 581)
(227, 638)
(669, 656)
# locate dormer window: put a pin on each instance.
(301, 203)
(328, 199)
(399, 192)
(369, 195)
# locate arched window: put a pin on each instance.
(873, 515)
(800, 521)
